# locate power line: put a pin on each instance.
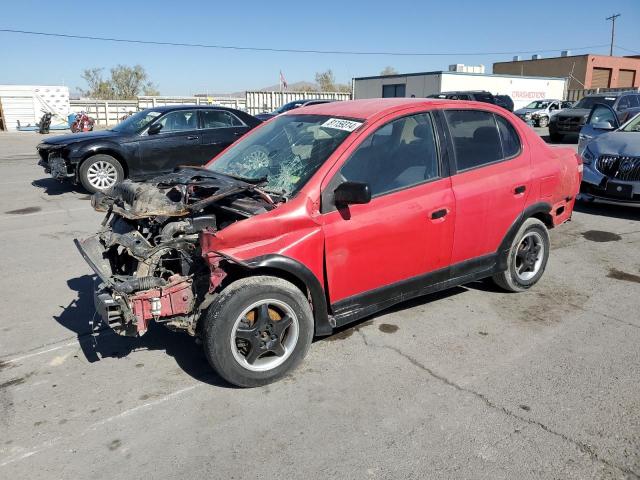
(627, 49)
(283, 50)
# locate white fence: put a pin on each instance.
(110, 112)
(260, 101)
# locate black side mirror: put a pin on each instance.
(348, 193)
(155, 128)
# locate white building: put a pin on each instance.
(521, 89)
(25, 103)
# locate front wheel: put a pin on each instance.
(258, 330)
(100, 172)
(526, 258)
(543, 122)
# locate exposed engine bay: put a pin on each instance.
(147, 253)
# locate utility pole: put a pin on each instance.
(613, 30)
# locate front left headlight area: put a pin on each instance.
(588, 157)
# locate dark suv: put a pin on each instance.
(477, 95)
(571, 120)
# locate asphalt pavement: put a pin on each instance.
(469, 383)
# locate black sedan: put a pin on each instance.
(305, 102)
(149, 142)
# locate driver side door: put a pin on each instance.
(177, 143)
(378, 250)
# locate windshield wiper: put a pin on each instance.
(254, 181)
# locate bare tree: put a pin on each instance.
(327, 82)
(388, 70)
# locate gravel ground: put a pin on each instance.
(468, 383)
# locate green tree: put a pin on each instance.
(388, 70)
(126, 83)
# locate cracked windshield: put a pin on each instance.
(284, 154)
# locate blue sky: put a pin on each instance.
(423, 26)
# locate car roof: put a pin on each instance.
(168, 108)
(612, 94)
(369, 108)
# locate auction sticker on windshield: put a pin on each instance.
(340, 124)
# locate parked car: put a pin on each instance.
(475, 95)
(611, 156)
(326, 215)
(147, 143)
(504, 101)
(571, 120)
(540, 111)
(292, 105)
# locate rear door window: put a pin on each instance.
(219, 119)
(481, 138)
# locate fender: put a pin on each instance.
(530, 211)
(323, 326)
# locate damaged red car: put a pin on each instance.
(326, 215)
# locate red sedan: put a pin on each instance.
(325, 215)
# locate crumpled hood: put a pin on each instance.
(625, 144)
(184, 192)
(522, 111)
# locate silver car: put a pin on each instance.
(611, 157)
(539, 112)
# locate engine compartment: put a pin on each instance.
(147, 253)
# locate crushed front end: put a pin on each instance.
(147, 254)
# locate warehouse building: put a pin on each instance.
(584, 71)
(521, 89)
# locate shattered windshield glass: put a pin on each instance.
(284, 154)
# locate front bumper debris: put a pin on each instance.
(130, 312)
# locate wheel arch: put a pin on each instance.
(541, 211)
(104, 151)
(294, 272)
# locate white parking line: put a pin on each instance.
(42, 352)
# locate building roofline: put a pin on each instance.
(447, 72)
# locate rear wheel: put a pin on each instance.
(100, 172)
(527, 258)
(258, 330)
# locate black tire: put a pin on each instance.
(555, 136)
(543, 122)
(83, 173)
(227, 309)
(510, 280)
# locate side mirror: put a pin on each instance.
(155, 128)
(603, 126)
(348, 193)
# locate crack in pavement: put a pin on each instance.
(583, 447)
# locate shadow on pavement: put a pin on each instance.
(52, 186)
(105, 343)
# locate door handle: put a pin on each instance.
(439, 213)
(519, 189)
(192, 137)
(238, 134)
